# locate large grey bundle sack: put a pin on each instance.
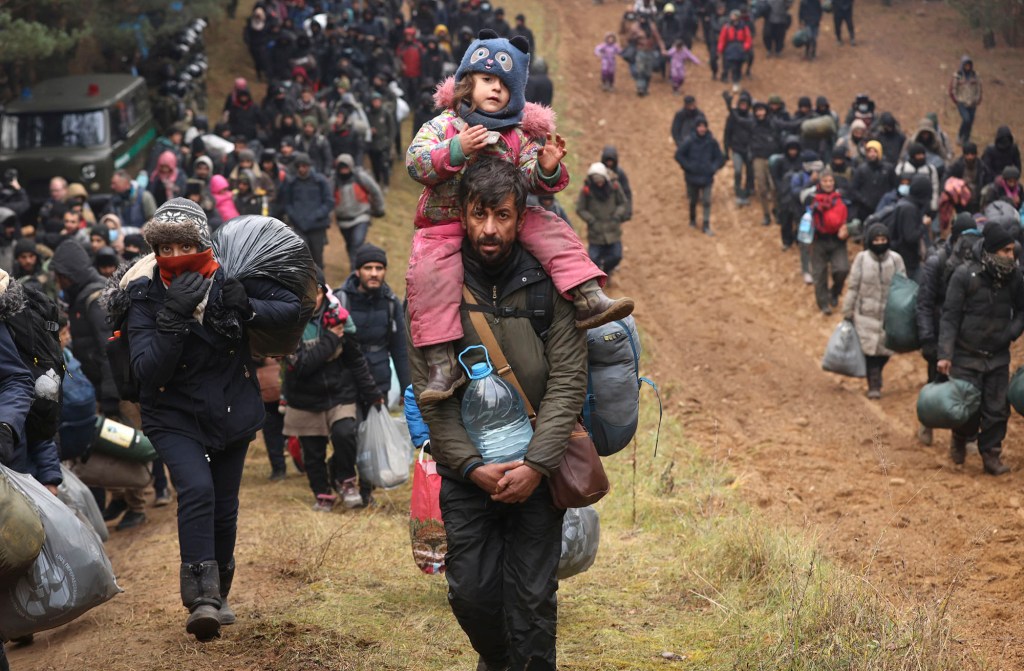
(71, 575)
(581, 535)
(77, 496)
(843, 354)
(612, 408)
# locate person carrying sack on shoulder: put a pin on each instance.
(187, 327)
(499, 516)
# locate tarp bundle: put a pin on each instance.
(947, 405)
(900, 321)
(263, 247)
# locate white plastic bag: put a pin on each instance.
(581, 534)
(71, 575)
(77, 496)
(395, 392)
(843, 354)
(383, 454)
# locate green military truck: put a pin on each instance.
(81, 128)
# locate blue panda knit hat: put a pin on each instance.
(509, 61)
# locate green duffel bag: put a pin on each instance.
(21, 530)
(900, 320)
(122, 442)
(947, 405)
(818, 128)
(1015, 394)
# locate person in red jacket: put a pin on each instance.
(410, 56)
(828, 251)
(734, 45)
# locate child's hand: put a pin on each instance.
(551, 154)
(472, 139)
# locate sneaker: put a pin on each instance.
(114, 510)
(277, 475)
(708, 232)
(324, 503)
(163, 498)
(827, 311)
(874, 394)
(808, 279)
(350, 496)
(131, 519)
(693, 224)
(767, 221)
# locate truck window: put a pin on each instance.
(126, 114)
(38, 130)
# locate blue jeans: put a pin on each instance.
(966, 121)
(207, 495)
(606, 257)
(354, 236)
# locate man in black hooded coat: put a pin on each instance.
(1001, 153)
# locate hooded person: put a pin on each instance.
(917, 163)
(603, 205)
(187, 327)
(965, 92)
(700, 157)
(82, 286)
(887, 131)
(1001, 153)
(610, 159)
(942, 262)
(1006, 187)
(908, 225)
(485, 115)
(246, 197)
(867, 293)
(982, 315)
(166, 181)
(782, 170)
(222, 197)
(357, 200)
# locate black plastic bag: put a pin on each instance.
(263, 247)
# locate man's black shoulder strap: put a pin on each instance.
(540, 308)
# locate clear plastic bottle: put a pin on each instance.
(494, 414)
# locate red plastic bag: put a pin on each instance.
(426, 529)
(295, 449)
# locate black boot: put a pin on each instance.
(444, 375)
(594, 308)
(993, 464)
(200, 593)
(957, 449)
(227, 573)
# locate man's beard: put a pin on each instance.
(502, 251)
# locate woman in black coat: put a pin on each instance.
(187, 334)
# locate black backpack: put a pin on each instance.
(36, 333)
(886, 215)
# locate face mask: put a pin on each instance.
(903, 189)
(879, 248)
(112, 234)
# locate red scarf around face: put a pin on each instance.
(201, 262)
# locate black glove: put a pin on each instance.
(185, 293)
(376, 214)
(6, 444)
(234, 297)
(930, 350)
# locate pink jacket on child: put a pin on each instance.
(434, 279)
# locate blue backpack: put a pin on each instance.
(612, 408)
(78, 410)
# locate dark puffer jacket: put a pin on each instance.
(199, 382)
(380, 331)
(700, 158)
(936, 272)
(1001, 153)
(980, 320)
(318, 379)
(871, 181)
(86, 318)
